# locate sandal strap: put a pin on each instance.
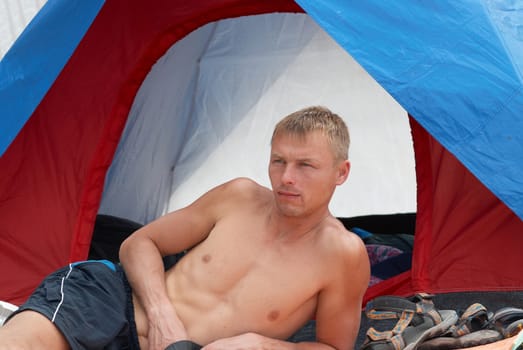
(396, 341)
(508, 321)
(400, 326)
(392, 307)
(507, 314)
(474, 318)
(512, 329)
(388, 307)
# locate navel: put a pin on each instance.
(206, 258)
(273, 315)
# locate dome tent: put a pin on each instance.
(54, 168)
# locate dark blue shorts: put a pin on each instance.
(90, 302)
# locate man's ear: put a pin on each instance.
(343, 172)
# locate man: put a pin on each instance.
(260, 264)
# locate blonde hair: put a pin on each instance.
(317, 118)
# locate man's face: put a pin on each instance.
(304, 173)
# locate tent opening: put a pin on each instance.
(206, 110)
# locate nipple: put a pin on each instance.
(273, 315)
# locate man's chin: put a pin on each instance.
(290, 210)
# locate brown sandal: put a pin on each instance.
(418, 320)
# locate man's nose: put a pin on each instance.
(289, 174)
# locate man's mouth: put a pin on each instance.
(288, 194)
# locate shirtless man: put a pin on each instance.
(261, 263)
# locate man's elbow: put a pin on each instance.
(128, 246)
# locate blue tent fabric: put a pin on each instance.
(32, 62)
(455, 66)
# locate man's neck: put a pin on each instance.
(290, 228)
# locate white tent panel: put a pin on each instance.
(205, 114)
(15, 15)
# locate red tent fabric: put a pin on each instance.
(466, 239)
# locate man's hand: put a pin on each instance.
(165, 328)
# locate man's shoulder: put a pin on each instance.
(334, 229)
(243, 183)
(243, 186)
(340, 242)
(345, 253)
(242, 189)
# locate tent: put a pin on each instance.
(71, 99)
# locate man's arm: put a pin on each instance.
(257, 341)
(339, 306)
(141, 256)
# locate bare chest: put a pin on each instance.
(240, 275)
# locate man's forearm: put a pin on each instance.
(279, 344)
(143, 266)
(258, 341)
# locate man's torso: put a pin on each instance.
(242, 279)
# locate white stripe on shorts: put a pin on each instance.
(62, 292)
